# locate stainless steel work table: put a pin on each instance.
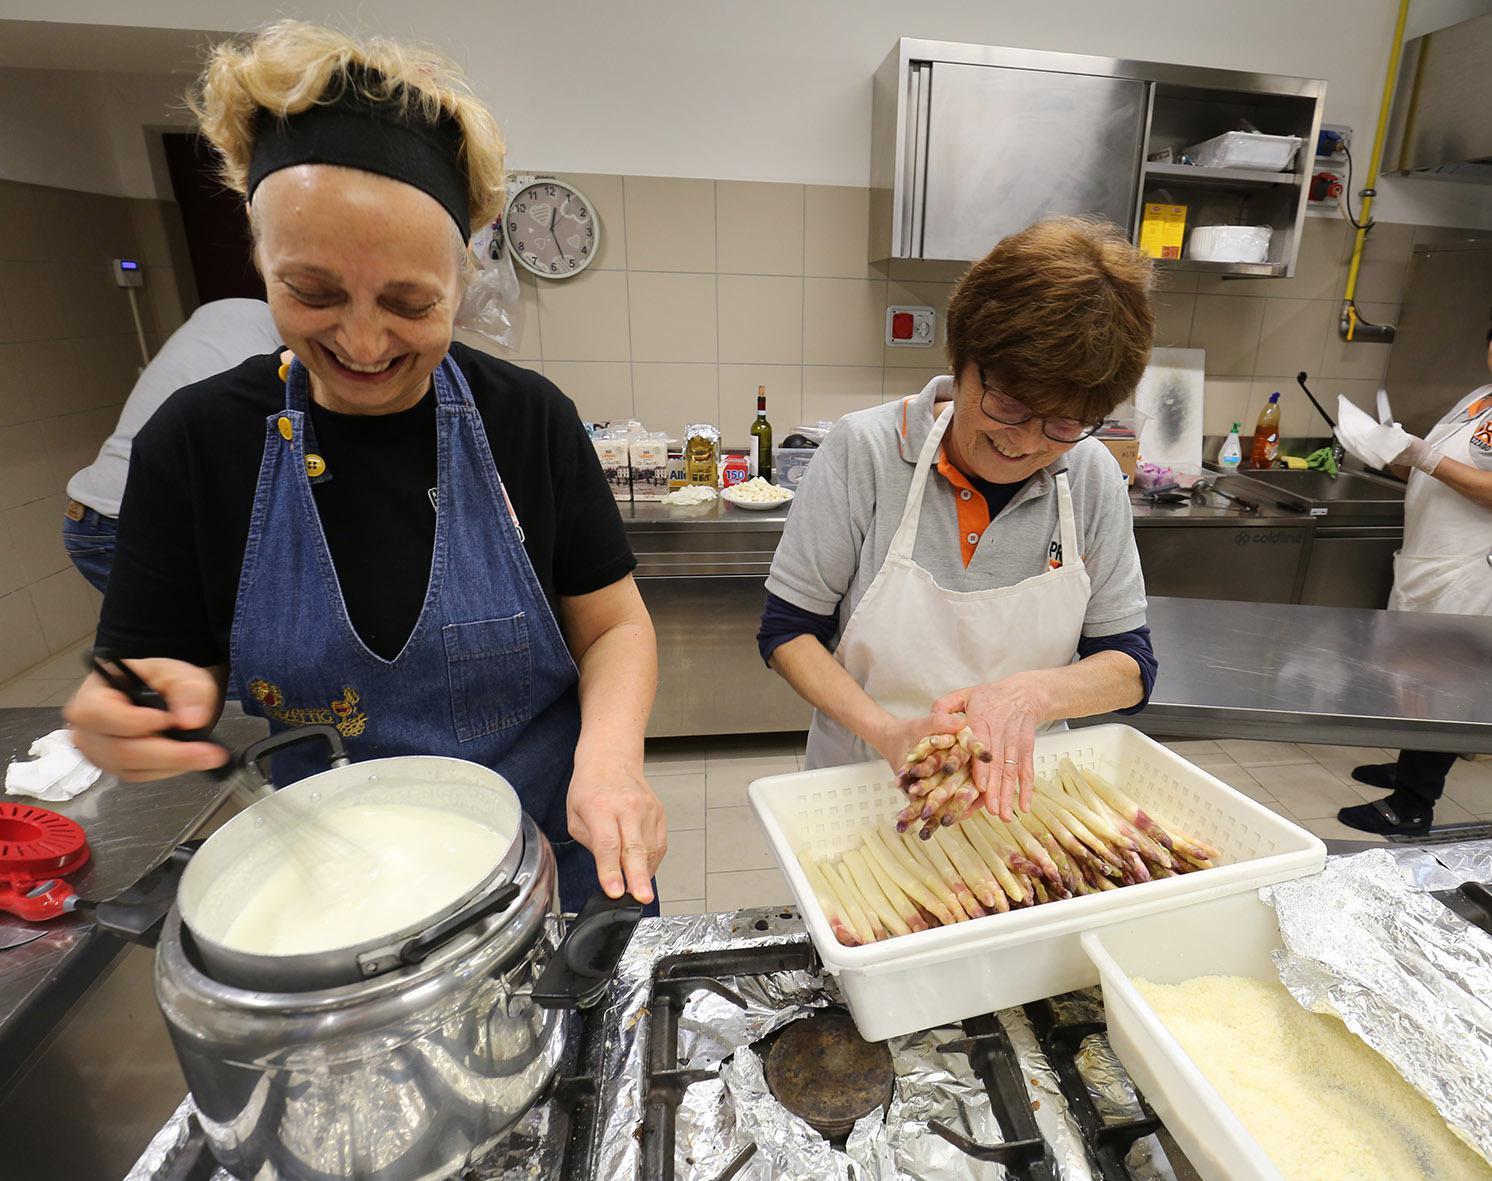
(130, 827)
(1296, 673)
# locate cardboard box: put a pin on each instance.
(616, 465)
(649, 469)
(1162, 230)
(1127, 452)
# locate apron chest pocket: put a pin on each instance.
(491, 672)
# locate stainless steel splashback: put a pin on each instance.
(1439, 126)
(1440, 350)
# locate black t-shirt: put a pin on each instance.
(184, 522)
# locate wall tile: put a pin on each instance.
(107, 368)
(918, 270)
(673, 316)
(148, 223)
(33, 296)
(1225, 400)
(527, 347)
(605, 195)
(585, 318)
(1292, 335)
(670, 224)
(1363, 392)
(63, 609)
(758, 228)
(836, 237)
(21, 641)
(1358, 359)
(21, 215)
(1175, 282)
(843, 321)
(164, 305)
(761, 319)
(932, 295)
(738, 384)
(1173, 319)
(12, 577)
(1228, 328)
(903, 383)
(98, 305)
(15, 392)
(682, 874)
(601, 390)
(51, 378)
(25, 474)
(1385, 262)
(73, 440)
(668, 397)
(832, 391)
(746, 888)
(1319, 273)
(36, 530)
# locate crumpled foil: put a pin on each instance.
(1404, 972)
(164, 1147)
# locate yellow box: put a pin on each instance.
(1162, 229)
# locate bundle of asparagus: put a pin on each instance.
(1081, 836)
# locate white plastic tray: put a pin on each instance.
(1246, 149)
(1226, 937)
(904, 984)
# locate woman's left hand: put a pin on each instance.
(1004, 716)
(613, 812)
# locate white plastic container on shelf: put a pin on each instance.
(1246, 149)
(1229, 243)
(933, 977)
(1225, 937)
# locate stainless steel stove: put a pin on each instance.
(721, 1047)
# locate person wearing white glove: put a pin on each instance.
(1445, 566)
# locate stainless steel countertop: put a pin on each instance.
(130, 827)
(1297, 673)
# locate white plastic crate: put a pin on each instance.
(1246, 149)
(1225, 937)
(906, 983)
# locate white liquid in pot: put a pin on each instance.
(350, 875)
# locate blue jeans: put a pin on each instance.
(89, 542)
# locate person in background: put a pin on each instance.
(970, 550)
(1446, 567)
(217, 336)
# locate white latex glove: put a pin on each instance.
(1418, 454)
(1376, 444)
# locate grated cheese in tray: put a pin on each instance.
(758, 491)
(1321, 1102)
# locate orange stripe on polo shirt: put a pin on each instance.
(973, 509)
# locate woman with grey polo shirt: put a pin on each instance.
(970, 550)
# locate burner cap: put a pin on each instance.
(37, 843)
(824, 1072)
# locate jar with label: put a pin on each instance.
(702, 454)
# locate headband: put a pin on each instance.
(354, 131)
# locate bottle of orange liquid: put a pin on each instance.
(1267, 435)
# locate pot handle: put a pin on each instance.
(415, 950)
(580, 971)
(137, 914)
(255, 755)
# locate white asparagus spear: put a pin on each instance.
(828, 901)
(905, 908)
(1079, 853)
(879, 852)
(1150, 850)
(1054, 814)
(938, 859)
(973, 870)
(1098, 823)
(1165, 834)
(1030, 847)
(914, 850)
(870, 890)
(922, 869)
(864, 921)
(996, 857)
(1029, 821)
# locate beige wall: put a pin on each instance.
(704, 290)
(68, 357)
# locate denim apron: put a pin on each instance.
(485, 675)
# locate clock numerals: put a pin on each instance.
(585, 250)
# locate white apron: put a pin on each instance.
(1447, 538)
(910, 641)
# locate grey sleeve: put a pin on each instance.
(1117, 601)
(820, 547)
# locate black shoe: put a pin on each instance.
(1379, 775)
(1398, 815)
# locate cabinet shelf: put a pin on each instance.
(1253, 270)
(1224, 177)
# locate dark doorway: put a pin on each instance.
(217, 231)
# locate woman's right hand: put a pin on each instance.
(127, 740)
(896, 736)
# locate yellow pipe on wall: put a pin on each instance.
(1364, 218)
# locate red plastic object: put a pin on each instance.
(37, 848)
(901, 325)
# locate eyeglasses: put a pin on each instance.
(1013, 412)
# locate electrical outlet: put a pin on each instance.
(910, 327)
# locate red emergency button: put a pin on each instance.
(901, 326)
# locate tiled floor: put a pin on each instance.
(49, 683)
(718, 858)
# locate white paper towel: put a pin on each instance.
(57, 770)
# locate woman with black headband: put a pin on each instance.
(388, 531)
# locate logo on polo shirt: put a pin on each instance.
(1054, 556)
(1481, 444)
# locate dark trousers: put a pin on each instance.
(88, 536)
(1421, 773)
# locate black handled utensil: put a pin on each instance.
(1300, 380)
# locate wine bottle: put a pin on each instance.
(761, 433)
